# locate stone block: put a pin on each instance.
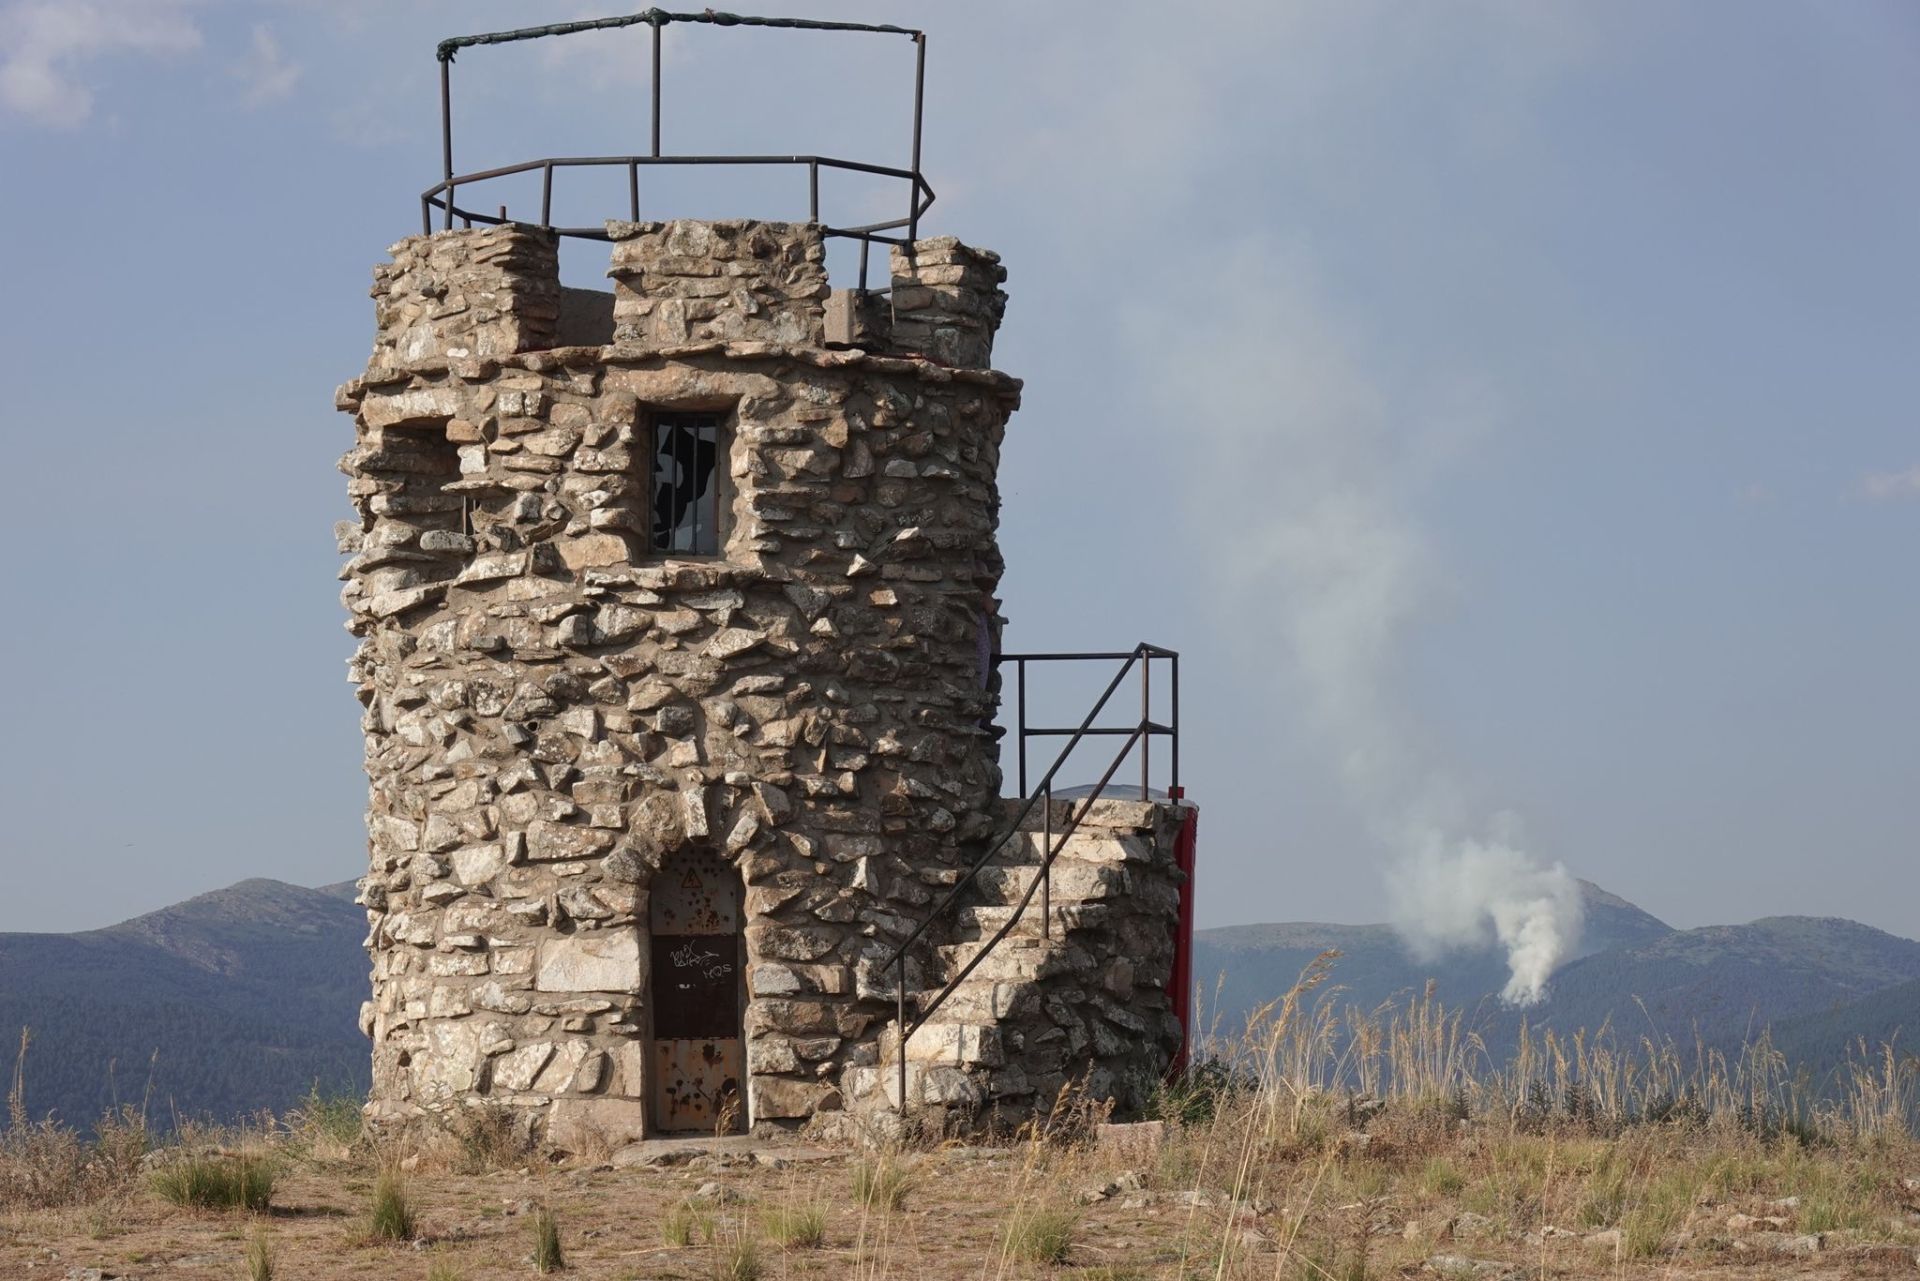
(609, 960)
(784, 1098)
(595, 1123)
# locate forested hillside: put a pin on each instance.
(233, 1001)
(1816, 982)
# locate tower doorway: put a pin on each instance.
(696, 983)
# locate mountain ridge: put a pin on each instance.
(245, 997)
(231, 1001)
(1716, 984)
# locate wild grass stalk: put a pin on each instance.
(391, 1216)
(797, 1227)
(260, 1255)
(547, 1256)
(217, 1181)
(881, 1182)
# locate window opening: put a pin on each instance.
(686, 490)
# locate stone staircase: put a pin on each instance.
(1081, 1000)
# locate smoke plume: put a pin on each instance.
(1321, 453)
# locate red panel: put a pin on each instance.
(1180, 983)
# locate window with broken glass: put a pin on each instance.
(684, 484)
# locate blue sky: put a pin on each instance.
(1505, 408)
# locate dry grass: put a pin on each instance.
(547, 1256)
(683, 1226)
(797, 1227)
(390, 1216)
(881, 1182)
(260, 1256)
(1040, 1234)
(218, 1180)
(44, 1163)
(1320, 1143)
(737, 1256)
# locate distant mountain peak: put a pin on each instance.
(1613, 922)
(1594, 895)
(347, 891)
(216, 930)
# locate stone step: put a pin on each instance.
(1074, 881)
(1015, 960)
(927, 1085)
(949, 1041)
(931, 1083)
(984, 1001)
(981, 920)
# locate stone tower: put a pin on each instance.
(678, 624)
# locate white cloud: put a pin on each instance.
(46, 47)
(1891, 486)
(265, 71)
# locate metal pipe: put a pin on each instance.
(546, 196)
(900, 1015)
(1146, 719)
(1093, 731)
(919, 101)
(658, 18)
(1046, 867)
(1173, 788)
(1020, 670)
(633, 191)
(656, 88)
(446, 134)
(813, 191)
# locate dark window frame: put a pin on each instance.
(698, 522)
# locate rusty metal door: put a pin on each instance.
(699, 1055)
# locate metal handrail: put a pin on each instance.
(442, 195)
(1140, 733)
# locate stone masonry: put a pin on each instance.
(553, 709)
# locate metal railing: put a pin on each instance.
(1140, 733)
(443, 195)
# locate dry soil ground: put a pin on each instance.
(966, 1212)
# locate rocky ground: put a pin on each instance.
(1144, 1203)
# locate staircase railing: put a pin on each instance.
(1141, 733)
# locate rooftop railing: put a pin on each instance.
(444, 197)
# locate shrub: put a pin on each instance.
(260, 1256)
(1662, 1207)
(1193, 1097)
(320, 1123)
(490, 1137)
(1438, 1177)
(881, 1183)
(1040, 1235)
(211, 1181)
(739, 1260)
(392, 1217)
(546, 1242)
(44, 1164)
(682, 1224)
(798, 1227)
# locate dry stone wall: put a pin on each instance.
(551, 708)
